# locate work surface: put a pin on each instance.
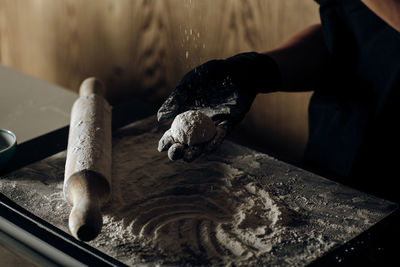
(30, 107)
(233, 206)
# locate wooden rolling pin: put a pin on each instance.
(87, 183)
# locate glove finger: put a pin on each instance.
(169, 109)
(176, 151)
(222, 130)
(193, 152)
(174, 103)
(166, 141)
(217, 113)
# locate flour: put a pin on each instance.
(181, 210)
(192, 127)
(233, 207)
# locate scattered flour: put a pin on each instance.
(203, 213)
(192, 127)
(233, 207)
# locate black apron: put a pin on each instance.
(353, 129)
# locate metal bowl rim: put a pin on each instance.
(10, 146)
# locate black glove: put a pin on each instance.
(222, 89)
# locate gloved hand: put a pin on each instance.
(222, 89)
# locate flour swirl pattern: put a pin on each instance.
(205, 211)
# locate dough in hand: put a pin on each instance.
(192, 127)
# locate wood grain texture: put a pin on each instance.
(141, 48)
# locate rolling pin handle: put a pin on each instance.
(85, 220)
(86, 192)
(91, 86)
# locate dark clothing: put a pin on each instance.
(353, 121)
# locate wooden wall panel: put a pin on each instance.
(141, 48)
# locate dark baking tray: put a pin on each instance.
(376, 246)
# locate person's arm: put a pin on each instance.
(303, 60)
(224, 89)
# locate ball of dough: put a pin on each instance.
(192, 127)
